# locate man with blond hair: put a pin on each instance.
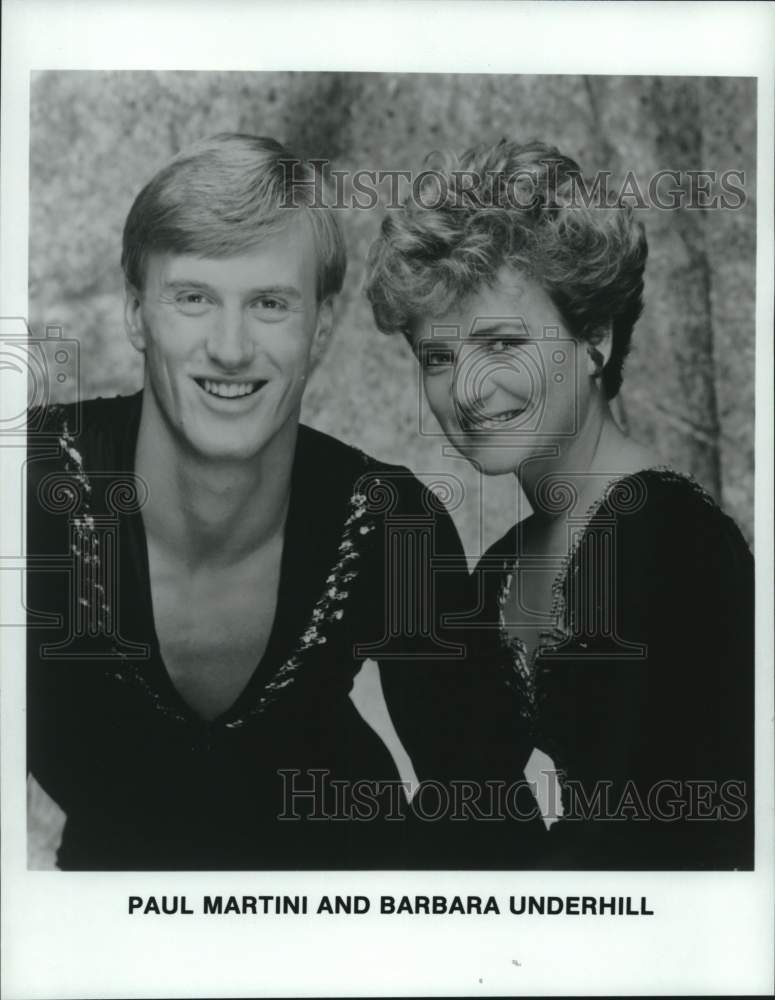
(202, 703)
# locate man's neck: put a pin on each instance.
(206, 512)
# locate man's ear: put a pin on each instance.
(323, 331)
(599, 349)
(133, 317)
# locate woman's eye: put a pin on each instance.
(437, 358)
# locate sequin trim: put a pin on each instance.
(329, 610)
(523, 676)
(327, 614)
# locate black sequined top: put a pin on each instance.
(641, 691)
(147, 784)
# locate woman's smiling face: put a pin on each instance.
(503, 375)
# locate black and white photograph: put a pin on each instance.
(386, 534)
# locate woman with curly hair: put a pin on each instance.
(621, 603)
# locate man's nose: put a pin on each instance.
(229, 343)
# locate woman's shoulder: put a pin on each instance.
(670, 517)
(653, 488)
(660, 528)
(661, 543)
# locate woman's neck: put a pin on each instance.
(598, 455)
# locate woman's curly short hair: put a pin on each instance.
(524, 206)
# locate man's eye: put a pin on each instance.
(192, 303)
(270, 303)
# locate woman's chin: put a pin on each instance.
(492, 460)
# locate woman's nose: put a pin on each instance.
(480, 377)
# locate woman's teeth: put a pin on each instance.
(501, 418)
(493, 420)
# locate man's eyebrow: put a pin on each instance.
(289, 291)
(177, 283)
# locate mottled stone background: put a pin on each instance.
(96, 138)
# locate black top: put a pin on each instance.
(642, 691)
(147, 784)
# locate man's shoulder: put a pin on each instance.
(81, 438)
(82, 418)
(334, 450)
(386, 487)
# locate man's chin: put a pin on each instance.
(218, 450)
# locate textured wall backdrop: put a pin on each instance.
(97, 137)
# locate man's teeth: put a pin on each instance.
(229, 389)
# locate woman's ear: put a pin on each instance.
(599, 350)
(323, 331)
(133, 317)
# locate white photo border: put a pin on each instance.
(69, 934)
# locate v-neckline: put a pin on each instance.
(291, 610)
(261, 666)
(556, 630)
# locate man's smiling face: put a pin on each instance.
(227, 342)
